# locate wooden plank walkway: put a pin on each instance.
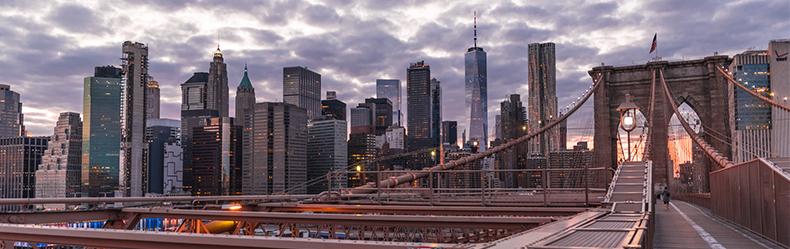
(684, 225)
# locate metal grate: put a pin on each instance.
(597, 239)
(612, 224)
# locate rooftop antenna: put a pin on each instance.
(217, 39)
(475, 28)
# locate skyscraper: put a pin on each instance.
(216, 158)
(245, 98)
(135, 68)
(436, 112)
(152, 102)
(476, 93)
(217, 87)
(101, 132)
(194, 109)
(278, 149)
(419, 100)
(59, 174)
(302, 88)
(513, 126)
(542, 96)
(331, 106)
(363, 115)
(328, 152)
(164, 140)
(11, 118)
(450, 131)
(383, 114)
(19, 158)
(390, 89)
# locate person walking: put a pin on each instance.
(665, 198)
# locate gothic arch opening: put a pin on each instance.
(688, 161)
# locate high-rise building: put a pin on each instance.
(752, 120)
(152, 102)
(450, 131)
(363, 115)
(362, 153)
(101, 132)
(436, 113)
(328, 152)
(133, 168)
(513, 126)
(19, 158)
(160, 134)
(331, 106)
(476, 93)
(419, 100)
(383, 114)
(302, 88)
(11, 118)
(173, 162)
(497, 127)
(194, 109)
(542, 96)
(217, 87)
(390, 89)
(216, 158)
(780, 86)
(579, 157)
(277, 149)
(245, 99)
(59, 174)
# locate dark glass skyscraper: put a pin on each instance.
(383, 114)
(302, 88)
(101, 132)
(419, 101)
(476, 94)
(11, 118)
(331, 106)
(753, 121)
(19, 159)
(194, 109)
(216, 158)
(450, 131)
(390, 89)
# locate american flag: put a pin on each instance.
(653, 47)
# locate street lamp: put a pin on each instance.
(628, 118)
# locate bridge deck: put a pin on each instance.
(673, 230)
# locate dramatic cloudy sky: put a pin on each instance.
(48, 47)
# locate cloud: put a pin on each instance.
(49, 47)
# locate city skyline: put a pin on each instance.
(344, 44)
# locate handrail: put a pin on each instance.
(761, 97)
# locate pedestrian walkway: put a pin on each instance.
(684, 225)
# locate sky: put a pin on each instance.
(50, 46)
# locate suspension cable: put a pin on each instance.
(759, 96)
(709, 150)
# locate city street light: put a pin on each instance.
(628, 118)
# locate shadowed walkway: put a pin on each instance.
(700, 229)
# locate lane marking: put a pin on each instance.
(730, 227)
(705, 235)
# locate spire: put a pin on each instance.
(245, 81)
(475, 28)
(218, 53)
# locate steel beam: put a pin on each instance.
(116, 238)
(347, 219)
(443, 210)
(61, 216)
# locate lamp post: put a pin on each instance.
(628, 118)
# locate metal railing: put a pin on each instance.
(699, 199)
(754, 195)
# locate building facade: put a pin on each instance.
(780, 86)
(383, 114)
(217, 87)
(752, 119)
(331, 106)
(194, 109)
(542, 96)
(419, 107)
(363, 115)
(450, 132)
(160, 133)
(476, 84)
(133, 168)
(152, 102)
(19, 159)
(328, 152)
(11, 117)
(302, 88)
(59, 174)
(277, 149)
(101, 132)
(390, 89)
(245, 99)
(216, 158)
